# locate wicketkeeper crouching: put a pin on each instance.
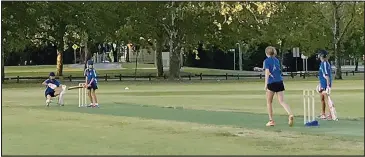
(54, 89)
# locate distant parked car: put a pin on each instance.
(258, 69)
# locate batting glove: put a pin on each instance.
(328, 90)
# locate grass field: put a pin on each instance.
(188, 118)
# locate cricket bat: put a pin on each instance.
(332, 109)
(75, 87)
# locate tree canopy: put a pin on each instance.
(181, 27)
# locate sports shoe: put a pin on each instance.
(329, 117)
(291, 120)
(270, 123)
(322, 116)
(47, 103)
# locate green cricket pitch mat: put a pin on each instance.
(211, 118)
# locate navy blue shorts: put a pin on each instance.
(93, 86)
(50, 93)
(276, 87)
(323, 86)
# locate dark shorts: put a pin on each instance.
(93, 86)
(323, 86)
(276, 86)
(50, 93)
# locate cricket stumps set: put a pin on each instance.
(82, 95)
(309, 107)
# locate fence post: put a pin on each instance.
(70, 78)
(189, 76)
(238, 76)
(353, 73)
(226, 76)
(260, 76)
(106, 77)
(120, 77)
(347, 73)
(17, 79)
(291, 74)
(304, 75)
(149, 77)
(201, 76)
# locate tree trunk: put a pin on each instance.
(159, 64)
(2, 65)
(60, 48)
(80, 54)
(127, 54)
(336, 45)
(356, 64)
(74, 56)
(174, 67)
(60, 60)
(86, 48)
(282, 54)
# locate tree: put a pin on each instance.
(340, 19)
(18, 22)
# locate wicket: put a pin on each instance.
(308, 105)
(82, 95)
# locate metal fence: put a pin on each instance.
(150, 77)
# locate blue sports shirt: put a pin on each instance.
(55, 82)
(324, 70)
(273, 64)
(91, 74)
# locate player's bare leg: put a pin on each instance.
(286, 107)
(269, 97)
(90, 97)
(48, 100)
(95, 100)
(323, 111)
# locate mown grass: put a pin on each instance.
(210, 118)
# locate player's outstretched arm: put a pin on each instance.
(45, 82)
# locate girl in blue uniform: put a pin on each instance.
(274, 84)
(53, 89)
(91, 83)
(325, 81)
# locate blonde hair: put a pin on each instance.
(271, 51)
